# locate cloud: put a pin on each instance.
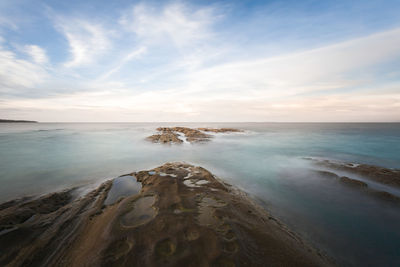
(266, 89)
(134, 54)
(380, 104)
(17, 74)
(37, 53)
(332, 67)
(175, 23)
(174, 63)
(167, 41)
(87, 41)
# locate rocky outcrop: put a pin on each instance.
(41, 231)
(377, 174)
(165, 138)
(182, 216)
(192, 135)
(359, 185)
(177, 135)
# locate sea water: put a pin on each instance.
(267, 161)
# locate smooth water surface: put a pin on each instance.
(266, 161)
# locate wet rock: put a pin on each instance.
(142, 212)
(327, 174)
(181, 134)
(18, 211)
(191, 135)
(378, 174)
(55, 221)
(353, 182)
(165, 138)
(166, 224)
(360, 185)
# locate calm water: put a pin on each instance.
(265, 161)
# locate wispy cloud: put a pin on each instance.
(126, 58)
(86, 40)
(18, 74)
(325, 68)
(175, 23)
(37, 53)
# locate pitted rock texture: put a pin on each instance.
(183, 216)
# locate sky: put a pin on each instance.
(199, 61)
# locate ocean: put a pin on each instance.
(267, 161)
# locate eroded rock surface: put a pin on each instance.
(378, 174)
(165, 138)
(183, 216)
(176, 135)
(39, 232)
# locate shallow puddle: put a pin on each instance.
(122, 187)
(142, 212)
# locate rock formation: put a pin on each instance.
(176, 135)
(182, 216)
(382, 175)
(390, 178)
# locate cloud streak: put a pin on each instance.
(17, 74)
(176, 23)
(37, 53)
(86, 40)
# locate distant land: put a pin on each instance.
(17, 121)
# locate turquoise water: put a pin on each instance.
(266, 161)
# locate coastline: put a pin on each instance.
(17, 121)
(183, 214)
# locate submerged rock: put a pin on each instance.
(386, 196)
(352, 182)
(382, 175)
(168, 223)
(359, 185)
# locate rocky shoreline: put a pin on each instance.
(375, 174)
(182, 216)
(178, 135)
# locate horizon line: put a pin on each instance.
(215, 122)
